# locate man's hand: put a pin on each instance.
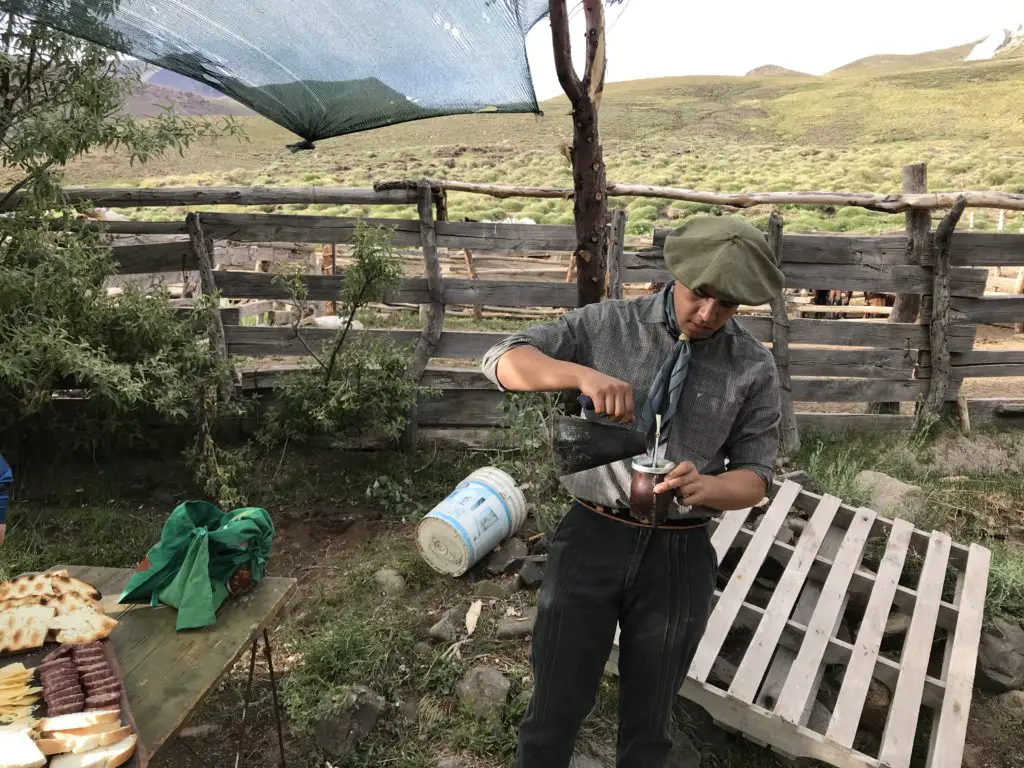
(611, 397)
(736, 489)
(690, 487)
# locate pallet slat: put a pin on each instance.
(952, 721)
(798, 693)
(724, 613)
(759, 653)
(905, 711)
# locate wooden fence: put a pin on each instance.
(837, 362)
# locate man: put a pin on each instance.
(678, 353)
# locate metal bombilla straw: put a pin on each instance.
(657, 440)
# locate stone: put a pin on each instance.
(517, 627)
(786, 534)
(897, 624)
(876, 708)
(532, 573)
(357, 709)
(1001, 658)
(423, 649)
(974, 756)
(798, 476)
(390, 581)
(796, 525)
(198, 731)
(523, 698)
(1012, 704)
(484, 690)
(540, 545)
(451, 625)
(820, 718)
(410, 710)
(506, 557)
(490, 589)
(891, 497)
(684, 754)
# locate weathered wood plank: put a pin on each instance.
(854, 422)
(726, 529)
(951, 727)
(154, 257)
(182, 666)
(964, 281)
(860, 390)
(143, 197)
(725, 611)
(990, 309)
(901, 727)
(762, 646)
(788, 431)
(462, 407)
(1001, 412)
(257, 340)
(414, 290)
(860, 333)
(852, 363)
(794, 698)
(850, 703)
(475, 235)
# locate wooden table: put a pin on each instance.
(168, 673)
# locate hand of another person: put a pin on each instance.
(611, 397)
(690, 487)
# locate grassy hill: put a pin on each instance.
(849, 130)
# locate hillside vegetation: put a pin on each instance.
(849, 130)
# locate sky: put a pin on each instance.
(660, 38)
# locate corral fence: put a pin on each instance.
(831, 367)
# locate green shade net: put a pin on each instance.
(323, 68)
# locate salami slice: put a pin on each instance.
(50, 666)
(65, 709)
(93, 657)
(102, 700)
(97, 667)
(54, 680)
(92, 677)
(61, 652)
(70, 685)
(95, 645)
(96, 690)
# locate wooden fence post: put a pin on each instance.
(430, 336)
(616, 247)
(788, 432)
(938, 385)
(1018, 290)
(209, 287)
(907, 306)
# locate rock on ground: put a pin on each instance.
(891, 497)
(876, 707)
(1001, 658)
(390, 581)
(490, 589)
(1012, 704)
(451, 625)
(514, 627)
(506, 557)
(356, 716)
(484, 689)
(532, 573)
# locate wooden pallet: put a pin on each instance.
(794, 644)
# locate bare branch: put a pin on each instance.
(563, 50)
(593, 77)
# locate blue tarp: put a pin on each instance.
(323, 68)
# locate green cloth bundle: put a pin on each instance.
(200, 553)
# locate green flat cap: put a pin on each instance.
(726, 254)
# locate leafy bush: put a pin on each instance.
(358, 384)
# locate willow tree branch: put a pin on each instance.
(563, 50)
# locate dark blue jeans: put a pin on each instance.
(658, 585)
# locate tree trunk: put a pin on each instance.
(591, 203)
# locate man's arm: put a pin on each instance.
(544, 359)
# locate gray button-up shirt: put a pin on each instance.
(729, 412)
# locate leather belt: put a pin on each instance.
(623, 515)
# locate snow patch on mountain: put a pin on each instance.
(1000, 40)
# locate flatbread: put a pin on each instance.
(83, 625)
(63, 584)
(37, 585)
(25, 628)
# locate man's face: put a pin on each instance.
(700, 313)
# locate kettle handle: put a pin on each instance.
(586, 402)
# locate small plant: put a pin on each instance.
(358, 383)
